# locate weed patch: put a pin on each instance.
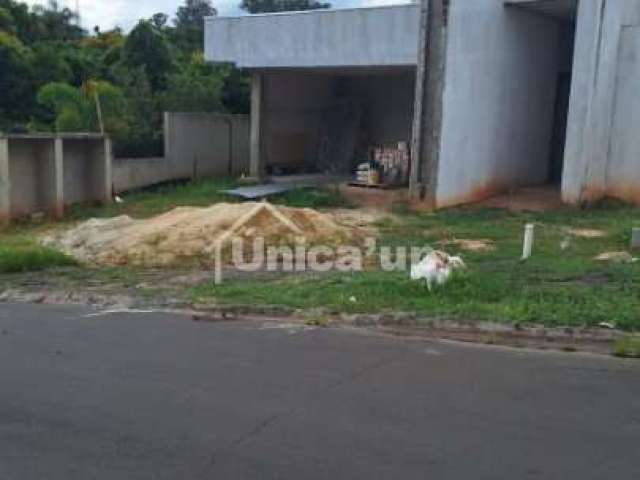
(627, 347)
(21, 253)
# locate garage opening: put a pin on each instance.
(331, 122)
(560, 16)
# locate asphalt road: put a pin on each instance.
(155, 396)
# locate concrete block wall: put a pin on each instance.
(206, 144)
(43, 173)
(134, 173)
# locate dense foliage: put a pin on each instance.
(270, 6)
(54, 74)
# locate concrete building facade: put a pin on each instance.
(492, 94)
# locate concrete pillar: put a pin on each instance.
(168, 141)
(635, 238)
(591, 108)
(257, 169)
(415, 185)
(107, 170)
(5, 183)
(58, 178)
(429, 93)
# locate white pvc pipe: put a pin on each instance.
(527, 248)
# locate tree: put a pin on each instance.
(159, 20)
(16, 84)
(143, 118)
(188, 34)
(146, 47)
(7, 22)
(236, 92)
(193, 13)
(49, 65)
(46, 56)
(197, 88)
(269, 6)
(75, 109)
(55, 22)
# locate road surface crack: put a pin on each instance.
(270, 421)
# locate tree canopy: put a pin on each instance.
(53, 73)
(269, 6)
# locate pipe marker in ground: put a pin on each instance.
(635, 239)
(527, 248)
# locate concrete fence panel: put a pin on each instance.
(45, 172)
(206, 145)
(133, 173)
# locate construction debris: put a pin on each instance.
(187, 234)
(471, 245)
(587, 233)
(436, 268)
(616, 257)
(258, 192)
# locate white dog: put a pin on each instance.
(436, 268)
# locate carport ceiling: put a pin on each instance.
(564, 10)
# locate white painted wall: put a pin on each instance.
(380, 36)
(498, 101)
(623, 169)
(603, 146)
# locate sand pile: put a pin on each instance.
(190, 234)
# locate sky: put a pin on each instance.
(125, 13)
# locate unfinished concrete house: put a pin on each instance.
(491, 95)
(327, 85)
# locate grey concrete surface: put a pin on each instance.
(376, 36)
(499, 96)
(602, 144)
(132, 173)
(141, 396)
(206, 144)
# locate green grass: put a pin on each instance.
(201, 193)
(627, 347)
(555, 287)
(318, 198)
(21, 253)
(152, 202)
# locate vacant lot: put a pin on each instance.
(562, 284)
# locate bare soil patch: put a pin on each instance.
(471, 245)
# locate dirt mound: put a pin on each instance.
(587, 233)
(190, 234)
(616, 257)
(471, 245)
